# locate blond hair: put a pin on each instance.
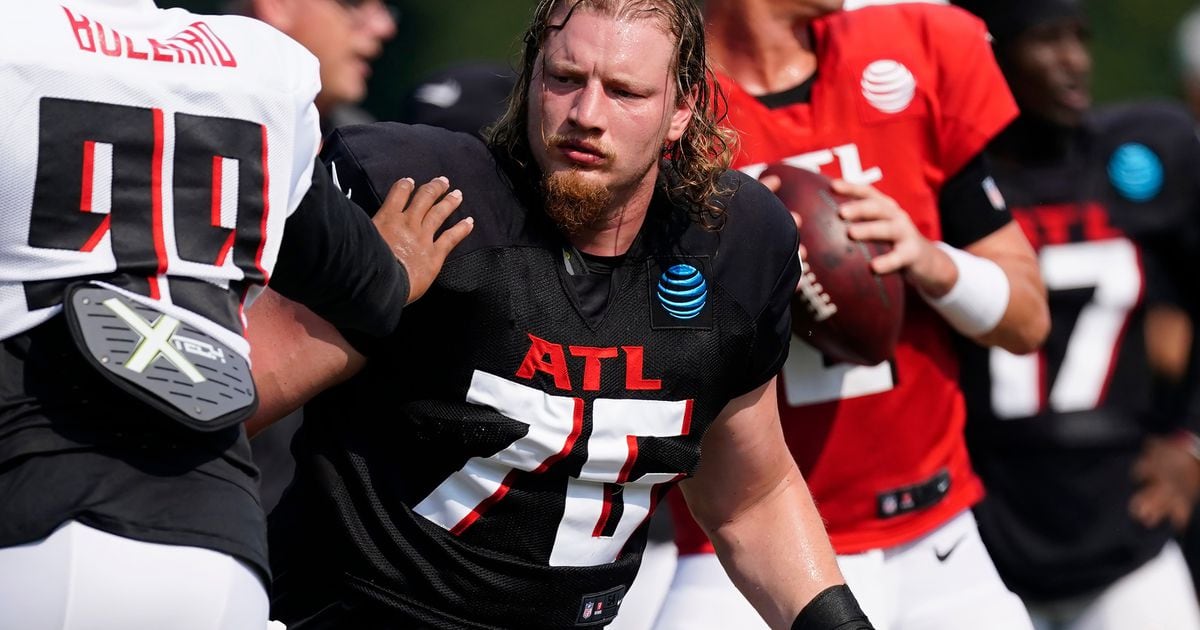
(694, 163)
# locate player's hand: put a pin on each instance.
(408, 221)
(875, 216)
(1169, 484)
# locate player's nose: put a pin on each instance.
(588, 109)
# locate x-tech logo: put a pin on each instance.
(156, 341)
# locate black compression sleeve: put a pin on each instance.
(333, 261)
(970, 205)
(832, 609)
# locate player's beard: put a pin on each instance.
(575, 203)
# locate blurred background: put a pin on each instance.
(1133, 43)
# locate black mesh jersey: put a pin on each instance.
(495, 464)
(1112, 213)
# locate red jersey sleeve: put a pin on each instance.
(972, 94)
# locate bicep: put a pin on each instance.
(295, 355)
(1006, 243)
(744, 459)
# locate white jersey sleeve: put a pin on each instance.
(159, 146)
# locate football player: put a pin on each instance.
(623, 299)
(897, 102)
(344, 35)
(1080, 488)
(151, 162)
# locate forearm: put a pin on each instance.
(333, 260)
(294, 355)
(777, 552)
(1026, 320)
(992, 291)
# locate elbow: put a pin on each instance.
(1026, 334)
(1036, 325)
(1030, 337)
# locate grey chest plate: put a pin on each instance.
(180, 370)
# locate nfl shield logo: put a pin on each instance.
(587, 610)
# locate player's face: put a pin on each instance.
(603, 102)
(345, 35)
(1050, 70)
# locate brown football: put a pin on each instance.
(842, 308)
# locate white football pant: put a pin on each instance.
(81, 578)
(906, 587)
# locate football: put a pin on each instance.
(841, 307)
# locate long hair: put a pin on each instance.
(695, 162)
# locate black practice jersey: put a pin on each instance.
(496, 463)
(1112, 213)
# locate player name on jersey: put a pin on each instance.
(197, 44)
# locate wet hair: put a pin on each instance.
(693, 164)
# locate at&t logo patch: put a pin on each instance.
(888, 86)
(1136, 172)
(680, 296)
(682, 291)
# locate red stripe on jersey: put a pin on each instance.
(469, 520)
(216, 209)
(89, 169)
(156, 203)
(216, 189)
(96, 236)
(687, 418)
(576, 429)
(266, 199)
(607, 494)
(627, 468)
(225, 250)
(506, 485)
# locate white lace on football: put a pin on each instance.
(818, 301)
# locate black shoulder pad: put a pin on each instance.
(365, 160)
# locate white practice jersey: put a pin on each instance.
(158, 147)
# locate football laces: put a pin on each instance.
(815, 297)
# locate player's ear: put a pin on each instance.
(681, 117)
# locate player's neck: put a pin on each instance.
(763, 50)
(616, 233)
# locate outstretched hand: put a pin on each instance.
(1169, 484)
(408, 220)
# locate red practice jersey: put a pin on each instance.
(904, 96)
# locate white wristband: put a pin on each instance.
(978, 299)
